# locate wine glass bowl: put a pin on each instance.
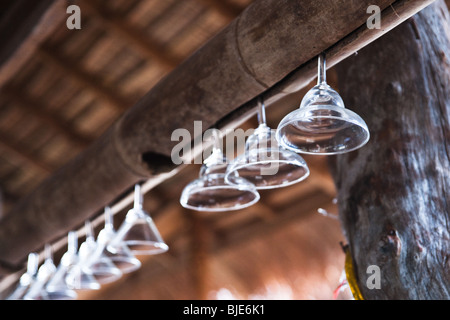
(324, 130)
(138, 232)
(264, 163)
(141, 235)
(212, 192)
(322, 125)
(120, 255)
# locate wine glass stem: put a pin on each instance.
(72, 242)
(48, 252)
(322, 69)
(261, 111)
(137, 197)
(108, 218)
(217, 145)
(32, 265)
(89, 230)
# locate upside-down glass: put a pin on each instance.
(121, 255)
(27, 279)
(98, 265)
(45, 272)
(322, 124)
(210, 192)
(138, 231)
(264, 163)
(72, 274)
(57, 287)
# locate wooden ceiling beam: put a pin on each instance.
(33, 107)
(28, 25)
(149, 48)
(74, 71)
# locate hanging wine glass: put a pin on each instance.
(69, 276)
(264, 163)
(322, 124)
(100, 266)
(70, 272)
(45, 272)
(122, 257)
(210, 192)
(57, 287)
(27, 279)
(138, 231)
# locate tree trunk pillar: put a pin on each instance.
(394, 198)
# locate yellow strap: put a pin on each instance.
(350, 274)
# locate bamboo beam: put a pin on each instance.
(147, 47)
(245, 59)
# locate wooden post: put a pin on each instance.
(393, 193)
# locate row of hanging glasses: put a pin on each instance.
(320, 126)
(97, 261)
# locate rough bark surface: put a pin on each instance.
(393, 193)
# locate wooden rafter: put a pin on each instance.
(225, 8)
(30, 31)
(89, 81)
(34, 108)
(149, 48)
(23, 155)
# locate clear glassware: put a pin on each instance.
(68, 276)
(210, 192)
(69, 271)
(97, 265)
(121, 255)
(45, 272)
(264, 163)
(138, 232)
(322, 124)
(27, 279)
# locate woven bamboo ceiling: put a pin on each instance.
(71, 85)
